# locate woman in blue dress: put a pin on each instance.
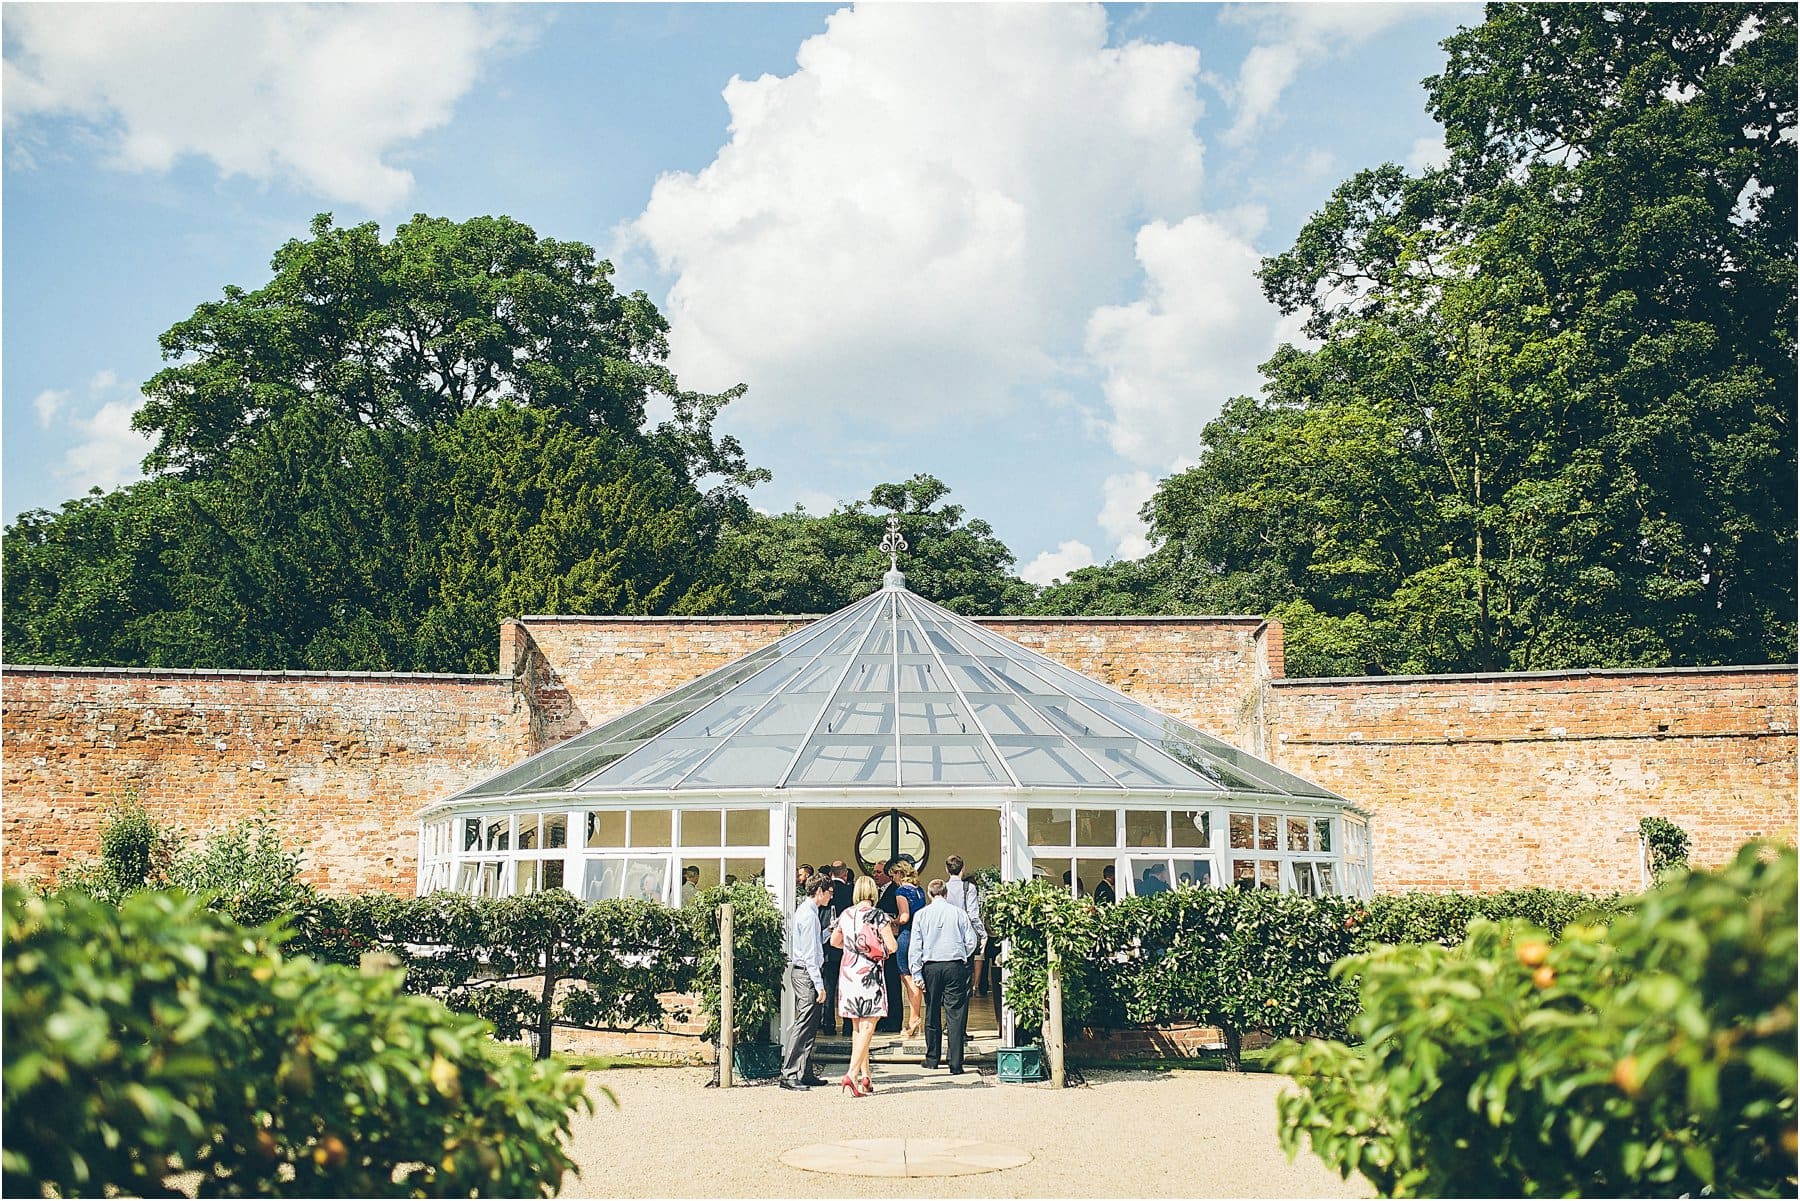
(906, 884)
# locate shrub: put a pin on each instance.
(470, 952)
(1239, 960)
(1034, 915)
(1443, 918)
(157, 1038)
(1654, 1056)
(1665, 845)
(245, 872)
(759, 958)
(135, 852)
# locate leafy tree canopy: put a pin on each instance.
(369, 461)
(798, 563)
(1548, 418)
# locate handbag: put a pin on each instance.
(868, 940)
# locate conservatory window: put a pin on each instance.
(702, 828)
(641, 877)
(1193, 873)
(1190, 828)
(537, 875)
(1146, 828)
(651, 828)
(1256, 873)
(546, 831)
(1096, 827)
(1049, 828)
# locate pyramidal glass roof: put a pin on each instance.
(893, 692)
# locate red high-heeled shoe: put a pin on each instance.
(849, 1083)
(868, 1084)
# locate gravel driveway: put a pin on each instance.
(1125, 1134)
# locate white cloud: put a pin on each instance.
(1291, 38)
(1427, 154)
(1053, 565)
(48, 403)
(1125, 495)
(1195, 340)
(103, 380)
(108, 451)
(319, 95)
(916, 222)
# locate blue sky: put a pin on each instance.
(1010, 244)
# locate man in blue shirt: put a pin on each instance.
(806, 961)
(943, 938)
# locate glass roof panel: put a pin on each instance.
(866, 760)
(894, 691)
(949, 759)
(1048, 761)
(660, 765)
(747, 761)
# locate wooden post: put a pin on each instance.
(1053, 1022)
(727, 937)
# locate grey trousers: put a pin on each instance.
(803, 1030)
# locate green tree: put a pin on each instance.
(1548, 423)
(372, 459)
(798, 563)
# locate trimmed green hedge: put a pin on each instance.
(1241, 960)
(472, 953)
(155, 1037)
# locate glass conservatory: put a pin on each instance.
(892, 727)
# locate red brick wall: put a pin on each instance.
(1487, 782)
(1475, 781)
(344, 761)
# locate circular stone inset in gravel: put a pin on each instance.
(905, 1157)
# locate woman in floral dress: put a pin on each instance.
(862, 995)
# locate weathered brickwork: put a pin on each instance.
(1486, 782)
(344, 761)
(1475, 781)
(575, 672)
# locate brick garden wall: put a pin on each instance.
(343, 760)
(1475, 781)
(1487, 782)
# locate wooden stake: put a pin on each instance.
(726, 939)
(1053, 1022)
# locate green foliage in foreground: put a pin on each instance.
(157, 1038)
(1242, 961)
(1650, 1057)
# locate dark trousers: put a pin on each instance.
(946, 999)
(803, 1031)
(834, 959)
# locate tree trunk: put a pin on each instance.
(727, 934)
(1234, 1049)
(546, 1002)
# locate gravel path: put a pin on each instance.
(1125, 1134)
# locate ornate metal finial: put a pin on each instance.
(893, 544)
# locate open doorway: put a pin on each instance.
(859, 836)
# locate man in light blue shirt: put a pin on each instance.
(806, 961)
(943, 938)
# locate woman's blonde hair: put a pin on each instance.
(865, 889)
(901, 871)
